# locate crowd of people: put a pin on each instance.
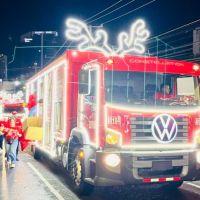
(13, 135)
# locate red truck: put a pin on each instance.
(102, 121)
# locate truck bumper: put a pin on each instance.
(137, 167)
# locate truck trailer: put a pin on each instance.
(101, 119)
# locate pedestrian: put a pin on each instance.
(32, 105)
(12, 134)
(1, 137)
(1, 142)
(18, 125)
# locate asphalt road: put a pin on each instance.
(43, 180)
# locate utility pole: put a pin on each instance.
(196, 42)
(3, 60)
(28, 37)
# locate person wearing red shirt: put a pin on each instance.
(12, 133)
(164, 94)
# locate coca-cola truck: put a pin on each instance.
(102, 120)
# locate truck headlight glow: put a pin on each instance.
(113, 137)
(112, 160)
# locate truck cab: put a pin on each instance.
(141, 138)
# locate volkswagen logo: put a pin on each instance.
(164, 128)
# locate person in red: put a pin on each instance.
(12, 131)
(32, 102)
(164, 94)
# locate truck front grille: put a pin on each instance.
(141, 130)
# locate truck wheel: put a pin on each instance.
(77, 175)
(174, 185)
(36, 153)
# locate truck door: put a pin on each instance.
(88, 107)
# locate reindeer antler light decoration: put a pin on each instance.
(78, 31)
(132, 42)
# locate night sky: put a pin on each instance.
(19, 16)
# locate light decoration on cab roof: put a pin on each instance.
(132, 42)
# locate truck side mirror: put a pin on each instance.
(83, 83)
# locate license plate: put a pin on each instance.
(162, 165)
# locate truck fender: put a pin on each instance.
(81, 137)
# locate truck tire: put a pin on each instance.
(77, 174)
(36, 153)
(174, 185)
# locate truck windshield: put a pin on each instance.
(144, 88)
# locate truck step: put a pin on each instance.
(93, 161)
(89, 180)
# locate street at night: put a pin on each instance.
(100, 100)
(41, 180)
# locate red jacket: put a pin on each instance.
(11, 132)
(161, 96)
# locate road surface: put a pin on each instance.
(43, 180)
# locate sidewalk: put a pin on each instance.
(20, 183)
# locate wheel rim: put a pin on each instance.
(76, 171)
(64, 160)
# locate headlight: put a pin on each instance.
(113, 137)
(112, 160)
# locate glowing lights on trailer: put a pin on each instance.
(133, 41)
(44, 76)
(151, 110)
(198, 157)
(97, 124)
(196, 67)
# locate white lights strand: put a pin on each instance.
(128, 42)
(132, 42)
(78, 31)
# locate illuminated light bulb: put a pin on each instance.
(110, 61)
(81, 154)
(74, 53)
(196, 67)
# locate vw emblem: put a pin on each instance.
(164, 128)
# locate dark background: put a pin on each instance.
(19, 17)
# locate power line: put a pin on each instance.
(129, 12)
(112, 11)
(103, 10)
(183, 26)
(63, 45)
